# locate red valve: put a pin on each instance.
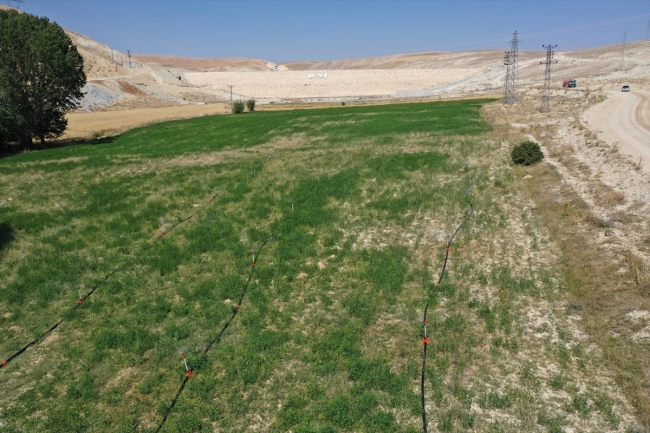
(425, 340)
(448, 248)
(182, 355)
(5, 362)
(424, 321)
(238, 306)
(189, 374)
(81, 301)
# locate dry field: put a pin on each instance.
(92, 125)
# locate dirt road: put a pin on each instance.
(624, 118)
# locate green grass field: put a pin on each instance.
(359, 202)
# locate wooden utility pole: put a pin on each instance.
(231, 86)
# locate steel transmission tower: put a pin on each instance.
(546, 97)
(508, 96)
(510, 60)
(621, 61)
(16, 2)
(514, 49)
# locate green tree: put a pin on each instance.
(238, 107)
(41, 77)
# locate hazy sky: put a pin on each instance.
(312, 30)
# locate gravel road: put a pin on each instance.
(624, 118)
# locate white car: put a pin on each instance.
(625, 89)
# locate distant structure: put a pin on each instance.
(508, 94)
(546, 96)
(621, 61)
(510, 60)
(231, 86)
(129, 53)
(647, 30)
(16, 3)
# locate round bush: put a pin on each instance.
(238, 107)
(527, 153)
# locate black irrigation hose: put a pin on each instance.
(425, 339)
(218, 336)
(87, 295)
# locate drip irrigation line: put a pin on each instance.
(93, 289)
(227, 324)
(217, 338)
(425, 338)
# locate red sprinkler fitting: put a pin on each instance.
(5, 362)
(189, 374)
(425, 340)
(81, 301)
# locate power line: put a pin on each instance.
(546, 97)
(621, 61)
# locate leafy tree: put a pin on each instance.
(250, 104)
(41, 77)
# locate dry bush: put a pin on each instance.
(606, 196)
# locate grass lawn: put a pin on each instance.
(359, 203)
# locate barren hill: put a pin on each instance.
(238, 64)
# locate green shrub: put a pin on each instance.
(250, 104)
(238, 107)
(527, 153)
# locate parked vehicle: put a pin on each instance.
(569, 83)
(625, 88)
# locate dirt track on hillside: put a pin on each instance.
(624, 118)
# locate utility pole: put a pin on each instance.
(621, 61)
(508, 97)
(514, 80)
(546, 97)
(129, 53)
(510, 61)
(231, 86)
(647, 30)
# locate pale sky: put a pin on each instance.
(314, 30)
